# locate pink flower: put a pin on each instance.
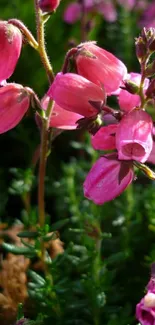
(128, 4)
(107, 10)
(128, 101)
(148, 17)
(72, 13)
(48, 5)
(14, 103)
(145, 315)
(134, 136)
(10, 48)
(102, 68)
(145, 309)
(107, 179)
(104, 139)
(73, 93)
(151, 158)
(61, 118)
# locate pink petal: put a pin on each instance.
(134, 136)
(73, 93)
(102, 69)
(104, 139)
(61, 118)
(14, 103)
(102, 182)
(128, 101)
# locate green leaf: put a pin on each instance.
(36, 277)
(20, 311)
(28, 234)
(101, 299)
(59, 224)
(49, 237)
(18, 250)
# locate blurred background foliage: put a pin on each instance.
(127, 224)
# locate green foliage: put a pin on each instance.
(107, 250)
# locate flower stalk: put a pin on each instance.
(41, 42)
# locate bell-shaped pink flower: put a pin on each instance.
(104, 139)
(48, 5)
(61, 118)
(107, 10)
(134, 136)
(74, 93)
(145, 309)
(72, 13)
(128, 101)
(100, 66)
(144, 314)
(14, 103)
(104, 182)
(10, 48)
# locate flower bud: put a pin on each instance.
(103, 183)
(14, 103)
(150, 92)
(10, 48)
(60, 118)
(141, 49)
(74, 93)
(101, 67)
(150, 70)
(128, 99)
(48, 5)
(134, 136)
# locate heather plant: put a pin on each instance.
(42, 280)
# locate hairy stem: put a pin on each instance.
(41, 42)
(25, 31)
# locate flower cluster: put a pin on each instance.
(127, 132)
(80, 100)
(106, 8)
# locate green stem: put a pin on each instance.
(141, 92)
(41, 42)
(42, 170)
(45, 123)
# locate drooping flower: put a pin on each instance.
(145, 309)
(107, 179)
(144, 314)
(10, 48)
(14, 103)
(134, 136)
(100, 66)
(127, 101)
(104, 139)
(74, 93)
(61, 118)
(48, 5)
